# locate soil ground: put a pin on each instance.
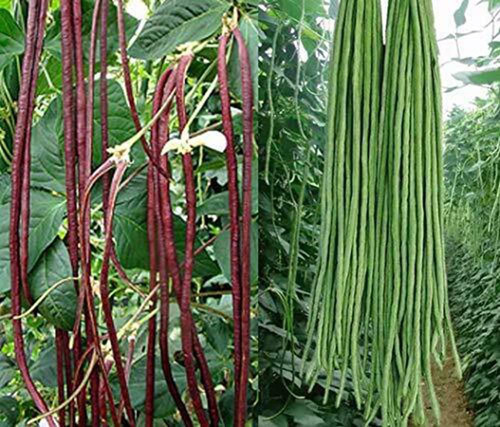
(455, 411)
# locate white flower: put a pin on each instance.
(214, 140)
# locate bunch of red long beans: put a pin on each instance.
(83, 367)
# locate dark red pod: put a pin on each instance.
(247, 98)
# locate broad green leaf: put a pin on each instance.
(218, 204)
(226, 407)
(9, 408)
(459, 14)
(120, 124)
(47, 213)
(5, 4)
(218, 335)
(177, 22)
(48, 166)
(47, 169)
(293, 8)
(44, 369)
(130, 231)
(304, 413)
(11, 38)
(483, 77)
(249, 28)
(164, 404)
(4, 188)
(223, 254)
(277, 421)
(50, 80)
(59, 306)
(8, 368)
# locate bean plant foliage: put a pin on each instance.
(473, 249)
(471, 166)
(292, 120)
(172, 34)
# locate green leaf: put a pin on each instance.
(293, 8)
(164, 404)
(7, 370)
(9, 408)
(177, 22)
(59, 306)
(48, 170)
(130, 231)
(4, 188)
(5, 4)
(47, 213)
(483, 77)
(226, 407)
(249, 28)
(218, 335)
(44, 369)
(279, 421)
(120, 124)
(459, 14)
(303, 413)
(223, 255)
(11, 38)
(48, 166)
(50, 79)
(218, 204)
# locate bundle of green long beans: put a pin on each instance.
(379, 309)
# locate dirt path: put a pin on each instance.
(455, 411)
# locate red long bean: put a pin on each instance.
(159, 136)
(185, 297)
(122, 38)
(26, 180)
(67, 54)
(36, 13)
(60, 375)
(232, 173)
(153, 271)
(102, 392)
(90, 323)
(121, 167)
(128, 368)
(81, 97)
(80, 123)
(104, 108)
(247, 98)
